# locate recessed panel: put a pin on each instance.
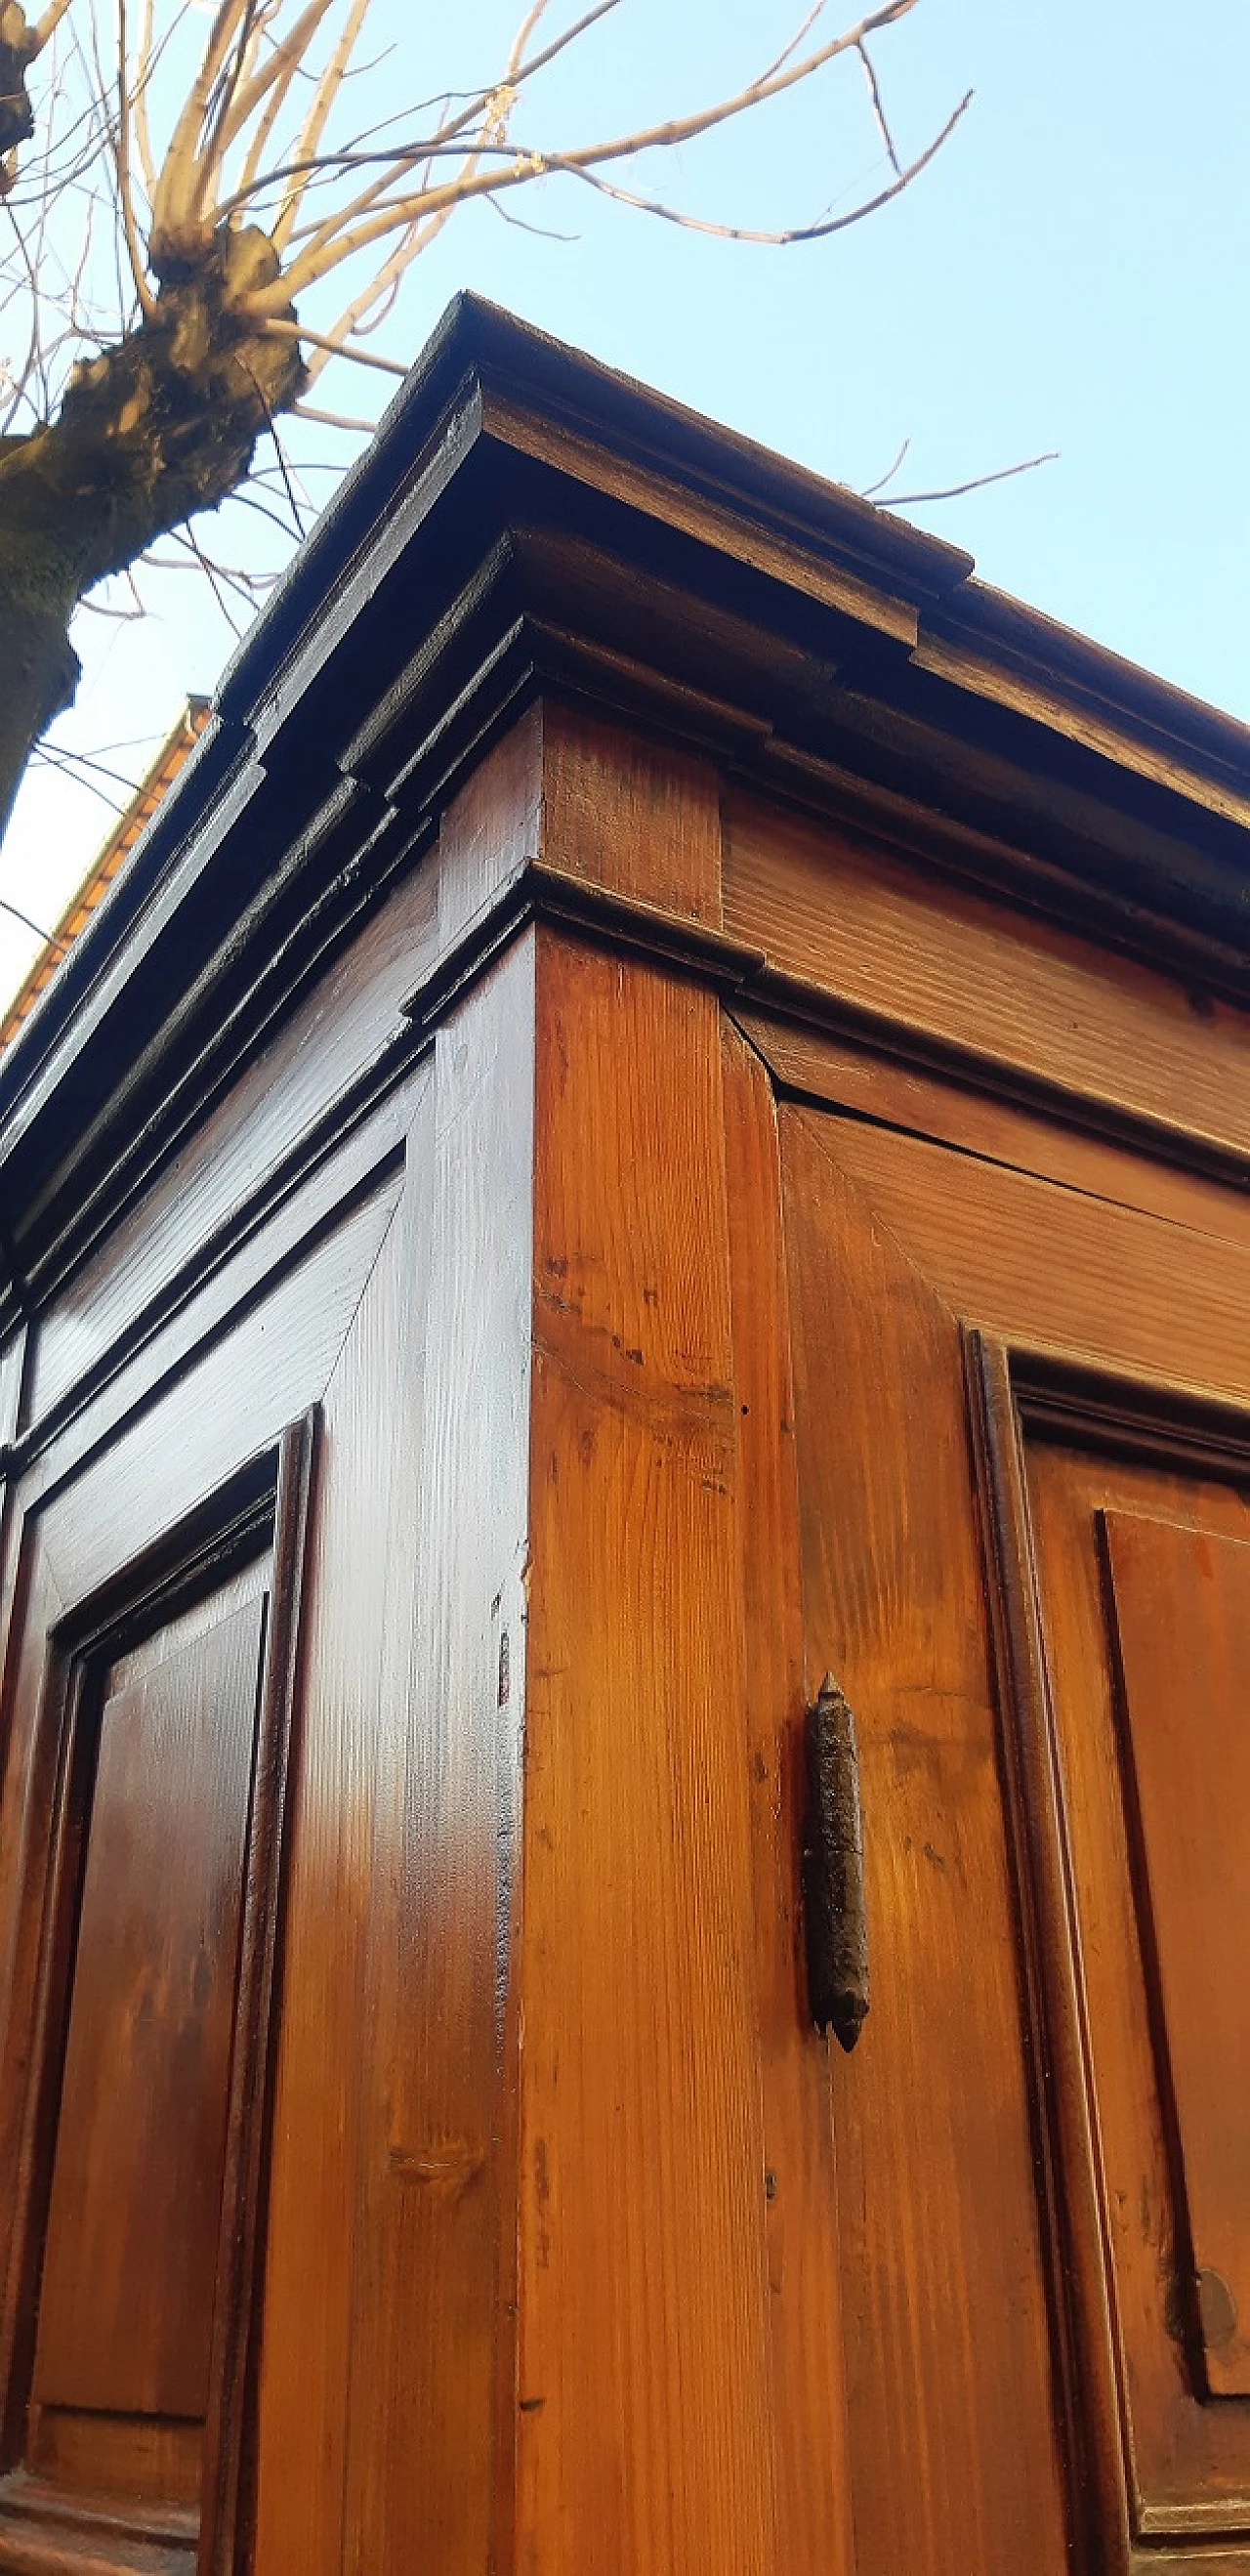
(1182, 1616)
(125, 2311)
(1142, 1576)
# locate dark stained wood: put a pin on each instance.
(1069, 2183)
(528, 524)
(321, 2043)
(235, 1395)
(107, 1513)
(368, 1167)
(405, 1888)
(245, 1154)
(143, 2113)
(228, 2473)
(491, 828)
(126, 2300)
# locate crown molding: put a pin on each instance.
(526, 523)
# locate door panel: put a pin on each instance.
(953, 2446)
(1141, 1583)
(152, 1744)
(1182, 1619)
(136, 2067)
(126, 2304)
(1029, 1571)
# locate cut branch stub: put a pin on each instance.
(154, 429)
(18, 47)
(158, 427)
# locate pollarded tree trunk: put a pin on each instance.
(38, 677)
(152, 431)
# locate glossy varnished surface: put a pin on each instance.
(126, 2303)
(953, 2458)
(635, 1354)
(1182, 1620)
(1033, 1003)
(642, 2173)
(1164, 2090)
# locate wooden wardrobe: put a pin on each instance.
(664, 1110)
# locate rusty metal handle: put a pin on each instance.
(833, 1870)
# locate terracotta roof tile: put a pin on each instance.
(108, 863)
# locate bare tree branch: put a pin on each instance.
(976, 483)
(202, 220)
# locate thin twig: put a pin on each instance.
(978, 482)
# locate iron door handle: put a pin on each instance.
(833, 1870)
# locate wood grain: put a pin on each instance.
(643, 2387)
(491, 827)
(238, 1153)
(1182, 1623)
(161, 1340)
(434, 2326)
(236, 1393)
(812, 2470)
(1188, 2473)
(127, 2294)
(1069, 2182)
(322, 2058)
(870, 1084)
(862, 924)
(1029, 1261)
(953, 2456)
(630, 815)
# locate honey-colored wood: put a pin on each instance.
(1182, 1623)
(1023, 1259)
(1148, 2461)
(811, 2463)
(623, 814)
(952, 2456)
(1187, 2471)
(644, 2397)
(662, 1354)
(873, 1084)
(863, 926)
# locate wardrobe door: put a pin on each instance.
(1025, 1557)
(137, 2070)
(194, 1655)
(1124, 1562)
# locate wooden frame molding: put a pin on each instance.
(260, 1516)
(539, 890)
(574, 539)
(1014, 1390)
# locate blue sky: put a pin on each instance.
(1069, 274)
